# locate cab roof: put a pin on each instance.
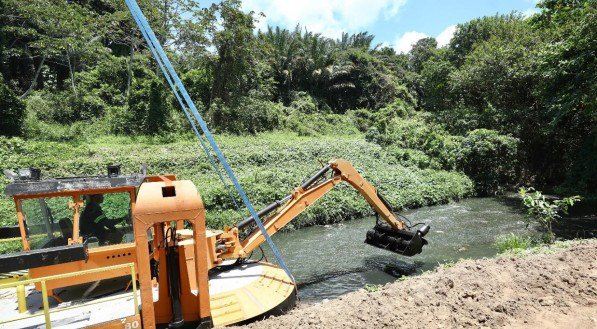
(71, 184)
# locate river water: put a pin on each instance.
(328, 261)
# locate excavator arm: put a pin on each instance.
(393, 234)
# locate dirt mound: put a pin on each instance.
(557, 290)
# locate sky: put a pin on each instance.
(395, 23)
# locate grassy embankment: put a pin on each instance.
(268, 166)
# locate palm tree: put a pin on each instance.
(361, 40)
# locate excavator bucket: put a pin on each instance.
(402, 242)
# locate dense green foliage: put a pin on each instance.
(12, 111)
(269, 166)
(511, 100)
(488, 158)
(533, 79)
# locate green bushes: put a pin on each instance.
(484, 155)
(413, 138)
(304, 103)
(545, 212)
(269, 166)
(489, 159)
(198, 84)
(412, 158)
(148, 109)
(249, 116)
(320, 124)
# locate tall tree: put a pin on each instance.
(421, 51)
(234, 41)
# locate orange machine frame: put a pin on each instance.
(102, 256)
(98, 257)
(157, 209)
(231, 246)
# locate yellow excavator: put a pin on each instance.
(90, 242)
(188, 276)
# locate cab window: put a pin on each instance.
(105, 219)
(48, 221)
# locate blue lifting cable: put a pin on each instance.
(170, 73)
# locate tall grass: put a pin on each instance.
(513, 243)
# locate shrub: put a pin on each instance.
(433, 146)
(444, 149)
(40, 130)
(387, 116)
(412, 158)
(403, 132)
(40, 106)
(248, 116)
(12, 111)
(149, 109)
(87, 107)
(304, 103)
(320, 124)
(363, 119)
(489, 159)
(10, 246)
(198, 83)
(120, 121)
(545, 212)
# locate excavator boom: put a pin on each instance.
(393, 234)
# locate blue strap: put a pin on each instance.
(177, 86)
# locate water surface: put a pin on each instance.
(328, 261)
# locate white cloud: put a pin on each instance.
(443, 39)
(530, 12)
(405, 42)
(328, 17)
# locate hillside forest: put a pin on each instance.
(510, 102)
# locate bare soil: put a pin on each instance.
(557, 289)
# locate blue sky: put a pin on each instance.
(396, 23)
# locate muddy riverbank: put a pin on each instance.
(552, 289)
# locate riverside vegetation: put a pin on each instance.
(510, 101)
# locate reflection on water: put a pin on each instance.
(329, 261)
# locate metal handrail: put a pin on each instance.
(44, 291)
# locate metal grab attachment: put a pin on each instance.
(402, 242)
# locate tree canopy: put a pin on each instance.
(81, 66)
